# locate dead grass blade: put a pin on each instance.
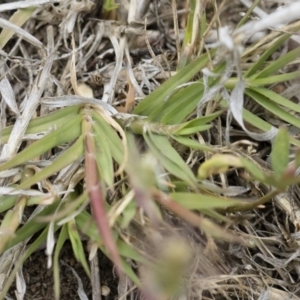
(30, 103)
(10, 27)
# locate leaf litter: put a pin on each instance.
(117, 62)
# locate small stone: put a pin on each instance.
(105, 290)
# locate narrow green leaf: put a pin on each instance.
(297, 158)
(272, 107)
(179, 106)
(50, 121)
(193, 144)
(36, 243)
(280, 152)
(277, 98)
(192, 130)
(201, 201)
(189, 26)
(130, 273)
(33, 226)
(159, 95)
(195, 125)
(254, 170)
(7, 202)
(59, 244)
(129, 252)
(110, 5)
(111, 137)
(67, 157)
(103, 157)
(86, 225)
(128, 214)
(138, 126)
(294, 141)
(77, 245)
(6, 220)
(276, 65)
(273, 79)
(247, 15)
(202, 120)
(258, 122)
(258, 64)
(213, 214)
(184, 107)
(169, 158)
(66, 133)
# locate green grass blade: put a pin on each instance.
(272, 96)
(77, 245)
(192, 130)
(254, 170)
(130, 273)
(67, 157)
(180, 110)
(273, 79)
(151, 102)
(213, 214)
(7, 202)
(248, 13)
(87, 226)
(276, 65)
(46, 122)
(104, 157)
(66, 133)
(200, 201)
(179, 106)
(258, 122)
(280, 152)
(272, 107)
(36, 244)
(251, 118)
(169, 158)
(111, 137)
(110, 5)
(59, 244)
(193, 144)
(202, 120)
(258, 64)
(294, 141)
(33, 226)
(128, 214)
(189, 26)
(197, 125)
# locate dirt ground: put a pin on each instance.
(39, 279)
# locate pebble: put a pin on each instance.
(105, 290)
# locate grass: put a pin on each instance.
(178, 181)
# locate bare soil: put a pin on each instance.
(40, 284)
